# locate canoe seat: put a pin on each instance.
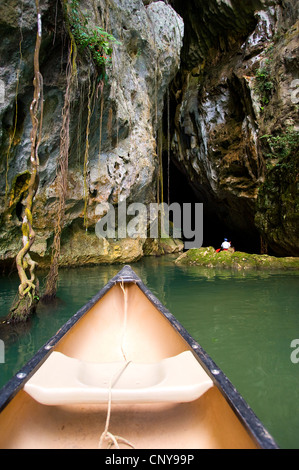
(65, 380)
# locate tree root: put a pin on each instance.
(23, 307)
(28, 297)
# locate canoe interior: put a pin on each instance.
(105, 334)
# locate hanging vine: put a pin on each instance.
(168, 148)
(11, 140)
(90, 108)
(95, 44)
(101, 89)
(102, 80)
(62, 170)
(14, 131)
(27, 298)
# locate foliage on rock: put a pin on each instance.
(90, 39)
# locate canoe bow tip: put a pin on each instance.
(126, 274)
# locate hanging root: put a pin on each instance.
(62, 175)
(25, 305)
(28, 297)
(27, 300)
(101, 89)
(90, 108)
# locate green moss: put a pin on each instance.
(277, 206)
(284, 148)
(264, 83)
(208, 257)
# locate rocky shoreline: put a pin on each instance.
(80, 248)
(208, 257)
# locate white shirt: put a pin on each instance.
(225, 245)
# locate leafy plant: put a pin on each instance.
(283, 146)
(264, 84)
(94, 39)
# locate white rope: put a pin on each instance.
(106, 435)
(125, 318)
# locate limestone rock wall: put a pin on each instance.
(122, 161)
(235, 89)
(233, 71)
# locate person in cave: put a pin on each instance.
(225, 245)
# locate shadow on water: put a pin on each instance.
(12, 332)
(45, 307)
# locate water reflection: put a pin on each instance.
(244, 320)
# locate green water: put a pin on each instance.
(245, 321)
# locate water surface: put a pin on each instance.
(245, 321)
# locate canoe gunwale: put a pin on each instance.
(126, 275)
(243, 411)
(17, 382)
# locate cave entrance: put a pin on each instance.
(215, 229)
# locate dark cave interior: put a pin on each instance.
(215, 228)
